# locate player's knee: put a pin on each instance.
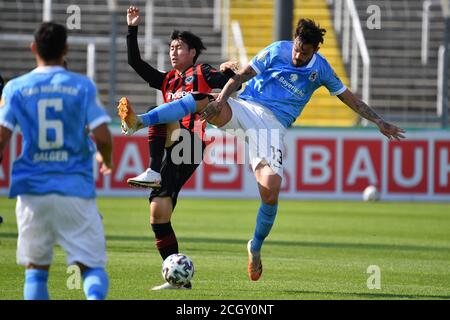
(159, 220)
(222, 118)
(173, 133)
(82, 267)
(269, 198)
(35, 266)
(160, 213)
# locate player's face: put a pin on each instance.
(181, 56)
(302, 53)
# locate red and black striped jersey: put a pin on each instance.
(173, 84)
(197, 78)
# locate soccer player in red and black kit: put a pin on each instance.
(184, 78)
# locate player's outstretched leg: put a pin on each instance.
(165, 113)
(151, 177)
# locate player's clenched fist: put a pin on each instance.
(133, 17)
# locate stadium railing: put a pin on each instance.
(238, 44)
(351, 25)
(91, 45)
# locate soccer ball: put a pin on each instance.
(371, 194)
(178, 269)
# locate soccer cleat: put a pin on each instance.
(168, 286)
(129, 120)
(254, 267)
(147, 179)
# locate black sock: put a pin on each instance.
(156, 146)
(165, 239)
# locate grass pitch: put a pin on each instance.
(316, 250)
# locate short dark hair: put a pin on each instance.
(308, 32)
(50, 40)
(193, 41)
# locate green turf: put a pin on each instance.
(317, 250)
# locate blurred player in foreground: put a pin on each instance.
(166, 176)
(282, 77)
(1, 90)
(53, 176)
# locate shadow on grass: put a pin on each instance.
(369, 295)
(330, 245)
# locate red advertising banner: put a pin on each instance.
(317, 164)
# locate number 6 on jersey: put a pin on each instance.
(45, 124)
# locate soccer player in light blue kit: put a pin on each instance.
(53, 176)
(283, 78)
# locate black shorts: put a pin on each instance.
(174, 176)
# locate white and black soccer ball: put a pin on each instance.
(371, 193)
(178, 269)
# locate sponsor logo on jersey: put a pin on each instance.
(177, 95)
(313, 76)
(189, 79)
(288, 85)
(293, 77)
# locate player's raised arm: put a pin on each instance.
(389, 130)
(235, 82)
(133, 17)
(154, 77)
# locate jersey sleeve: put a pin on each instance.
(216, 79)
(8, 104)
(331, 81)
(262, 60)
(153, 77)
(96, 114)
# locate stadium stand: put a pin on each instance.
(257, 18)
(22, 16)
(402, 89)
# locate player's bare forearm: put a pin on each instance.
(103, 139)
(236, 82)
(232, 85)
(360, 107)
(5, 136)
(105, 150)
(389, 130)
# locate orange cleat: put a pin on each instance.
(127, 116)
(254, 263)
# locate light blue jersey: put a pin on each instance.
(284, 88)
(55, 109)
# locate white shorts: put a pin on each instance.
(74, 223)
(264, 134)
